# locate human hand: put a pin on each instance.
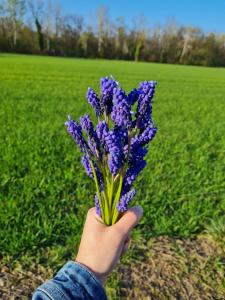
(102, 246)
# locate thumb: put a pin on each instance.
(130, 219)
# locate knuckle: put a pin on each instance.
(120, 232)
(91, 211)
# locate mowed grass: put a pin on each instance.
(44, 192)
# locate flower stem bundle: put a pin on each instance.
(114, 150)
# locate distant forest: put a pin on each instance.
(41, 27)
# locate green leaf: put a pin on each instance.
(116, 199)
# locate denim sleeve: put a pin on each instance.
(73, 281)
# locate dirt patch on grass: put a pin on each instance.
(18, 284)
(169, 269)
(176, 269)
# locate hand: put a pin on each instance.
(102, 246)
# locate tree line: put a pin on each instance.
(41, 27)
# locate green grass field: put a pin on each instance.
(44, 192)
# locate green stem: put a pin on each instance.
(106, 194)
(106, 118)
(97, 188)
(111, 198)
(115, 216)
(116, 199)
(111, 192)
(106, 209)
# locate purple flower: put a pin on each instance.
(133, 96)
(107, 86)
(123, 134)
(93, 140)
(94, 101)
(147, 87)
(122, 205)
(87, 166)
(87, 124)
(116, 156)
(97, 206)
(131, 174)
(137, 154)
(75, 131)
(102, 130)
(136, 162)
(121, 112)
(148, 134)
(144, 108)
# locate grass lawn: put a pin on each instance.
(44, 192)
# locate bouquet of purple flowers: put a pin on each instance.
(114, 151)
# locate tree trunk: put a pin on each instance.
(137, 51)
(14, 34)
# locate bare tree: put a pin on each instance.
(16, 10)
(102, 27)
(140, 29)
(89, 42)
(121, 46)
(49, 26)
(57, 18)
(37, 10)
(189, 36)
(169, 42)
(5, 24)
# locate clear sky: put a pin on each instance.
(207, 14)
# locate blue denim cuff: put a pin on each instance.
(87, 279)
(73, 281)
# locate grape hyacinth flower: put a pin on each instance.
(75, 130)
(144, 108)
(114, 151)
(122, 205)
(116, 156)
(121, 111)
(107, 86)
(85, 160)
(93, 140)
(97, 206)
(94, 101)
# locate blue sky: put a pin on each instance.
(209, 15)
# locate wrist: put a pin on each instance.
(100, 277)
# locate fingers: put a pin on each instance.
(126, 245)
(129, 220)
(125, 248)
